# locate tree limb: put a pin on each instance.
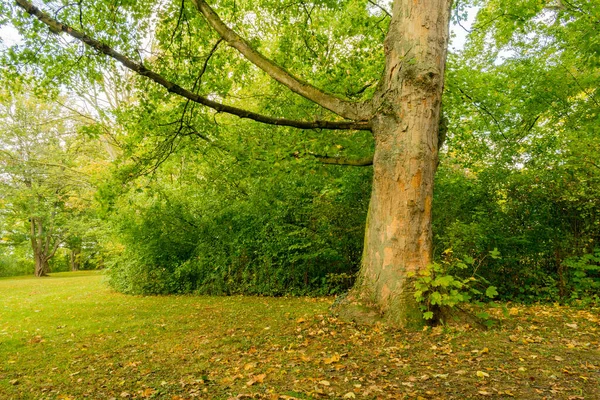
(358, 162)
(343, 108)
(172, 87)
(386, 12)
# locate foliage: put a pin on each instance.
(585, 276)
(45, 169)
(443, 286)
(519, 172)
(285, 233)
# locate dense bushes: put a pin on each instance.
(546, 232)
(301, 234)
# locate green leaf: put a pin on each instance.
(436, 298)
(444, 281)
(491, 292)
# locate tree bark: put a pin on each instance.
(75, 258)
(41, 265)
(398, 238)
(40, 256)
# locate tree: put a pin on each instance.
(39, 184)
(403, 114)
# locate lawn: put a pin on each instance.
(70, 337)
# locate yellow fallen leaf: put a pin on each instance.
(485, 350)
(349, 395)
(333, 359)
(256, 379)
(482, 374)
(324, 383)
(148, 392)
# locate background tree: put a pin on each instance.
(523, 131)
(42, 186)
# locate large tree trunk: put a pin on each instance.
(398, 237)
(41, 265)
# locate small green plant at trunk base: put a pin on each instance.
(441, 288)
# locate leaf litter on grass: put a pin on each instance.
(116, 346)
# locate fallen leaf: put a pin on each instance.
(333, 359)
(349, 395)
(482, 374)
(256, 379)
(324, 383)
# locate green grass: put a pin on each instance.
(70, 337)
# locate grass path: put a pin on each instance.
(70, 337)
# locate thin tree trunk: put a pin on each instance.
(40, 259)
(398, 238)
(75, 259)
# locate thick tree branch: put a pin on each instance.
(172, 87)
(346, 109)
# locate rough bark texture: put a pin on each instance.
(41, 265)
(398, 237)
